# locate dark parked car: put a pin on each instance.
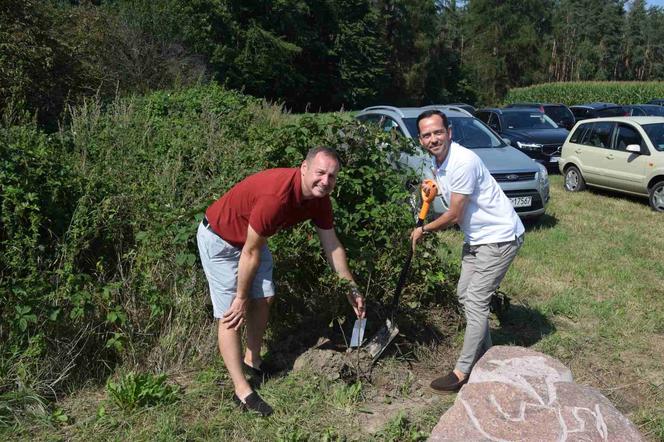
(558, 112)
(597, 110)
(644, 110)
(657, 101)
(529, 130)
(467, 107)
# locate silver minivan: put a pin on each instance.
(524, 181)
(617, 153)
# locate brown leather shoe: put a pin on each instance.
(449, 383)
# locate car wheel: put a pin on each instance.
(657, 197)
(574, 181)
(414, 199)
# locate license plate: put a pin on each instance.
(554, 159)
(522, 201)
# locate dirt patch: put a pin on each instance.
(389, 388)
(328, 363)
(376, 414)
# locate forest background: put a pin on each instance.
(320, 55)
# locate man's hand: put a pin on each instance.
(427, 186)
(234, 316)
(356, 301)
(416, 235)
(336, 256)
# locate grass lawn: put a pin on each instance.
(587, 288)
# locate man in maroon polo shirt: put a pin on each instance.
(232, 241)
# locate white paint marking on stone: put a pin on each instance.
(601, 423)
(563, 425)
(581, 422)
(507, 416)
(476, 422)
(513, 371)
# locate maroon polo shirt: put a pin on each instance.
(268, 201)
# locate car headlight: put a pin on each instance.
(543, 175)
(528, 146)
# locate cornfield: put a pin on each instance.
(569, 93)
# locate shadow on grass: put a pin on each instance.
(521, 325)
(546, 221)
(640, 200)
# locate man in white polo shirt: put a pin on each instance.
(492, 229)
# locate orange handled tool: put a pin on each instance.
(389, 331)
(427, 199)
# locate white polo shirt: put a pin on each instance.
(489, 216)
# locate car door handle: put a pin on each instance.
(577, 150)
(610, 157)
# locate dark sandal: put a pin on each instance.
(255, 403)
(265, 370)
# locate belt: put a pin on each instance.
(207, 225)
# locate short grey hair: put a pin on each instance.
(328, 151)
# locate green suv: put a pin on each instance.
(618, 153)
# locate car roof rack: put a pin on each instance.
(523, 105)
(496, 109)
(447, 106)
(384, 107)
(400, 111)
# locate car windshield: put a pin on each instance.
(656, 134)
(654, 110)
(528, 120)
(581, 112)
(558, 113)
(469, 132)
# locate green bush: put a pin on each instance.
(141, 390)
(619, 92)
(38, 194)
(105, 212)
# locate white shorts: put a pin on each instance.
(220, 262)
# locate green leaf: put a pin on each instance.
(141, 236)
(111, 316)
(185, 259)
(53, 316)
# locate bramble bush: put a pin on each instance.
(38, 194)
(99, 260)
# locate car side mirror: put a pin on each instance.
(635, 148)
(507, 141)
